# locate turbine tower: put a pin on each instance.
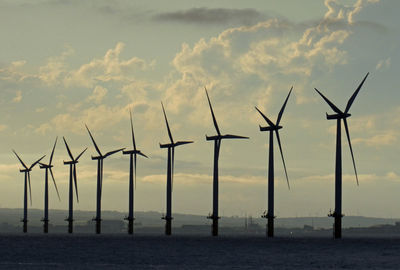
(217, 144)
(170, 173)
(273, 128)
(48, 167)
(72, 181)
(132, 177)
(99, 159)
(339, 116)
(27, 181)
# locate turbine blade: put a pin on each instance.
(36, 162)
(30, 189)
(346, 127)
(334, 108)
(20, 160)
(55, 185)
(270, 123)
(143, 155)
(212, 113)
(68, 150)
(134, 163)
(94, 142)
(283, 107)
(166, 121)
(283, 160)
(353, 97)
(52, 152)
(113, 152)
(76, 184)
(77, 158)
(133, 134)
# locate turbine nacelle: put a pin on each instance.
(70, 162)
(172, 145)
(107, 154)
(45, 166)
(131, 152)
(227, 136)
(134, 152)
(270, 128)
(337, 116)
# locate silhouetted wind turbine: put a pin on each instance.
(72, 181)
(48, 167)
(27, 181)
(338, 116)
(170, 173)
(100, 159)
(217, 144)
(132, 177)
(273, 128)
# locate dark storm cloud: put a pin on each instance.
(212, 16)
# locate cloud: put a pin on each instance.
(390, 176)
(43, 129)
(364, 124)
(108, 69)
(7, 171)
(98, 94)
(196, 179)
(370, 130)
(384, 139)
(18, 97)
(337, 11)
(253, 63)
(16, 73)
(383, 64)
(55, 68)
(209, 16)
(240, 66)
(360, 124)
(99, 117)
(39, 110)
(258, 64)
(113, 72)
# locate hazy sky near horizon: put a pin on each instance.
(67, 63)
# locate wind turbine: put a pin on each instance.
(100, 159)
(48, 167)
(339, 116)
(72, 181)
(273, 128)
(132, 176)
(27, 181)
(170, 173)
(217, 144)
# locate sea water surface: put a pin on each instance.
(80, 251)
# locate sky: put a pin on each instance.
(64, 64)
